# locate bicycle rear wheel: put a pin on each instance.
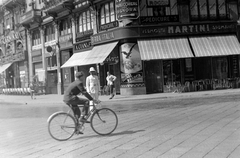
(61, 126)
(104, 121)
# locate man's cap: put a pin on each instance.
(91, 69)
(79, 74)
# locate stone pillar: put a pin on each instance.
(29, 49)
(42, 34)
(59, 84)
(73, 23)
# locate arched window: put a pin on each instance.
(209, 10)
(36, 39)
(107, 13)
(85, 21)
(49, 33)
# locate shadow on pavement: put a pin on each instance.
(113, 134)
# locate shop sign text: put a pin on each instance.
(83, 45)
(83, 35)
(19, 56)
(189, 29)
(102, 37)
(11, 37)
(127, 9)
(159, 19)
(132, 77)
(109, 26)
(156, 3)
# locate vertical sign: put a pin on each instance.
(127, 9)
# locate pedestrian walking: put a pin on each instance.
(92, 84)
(32, 91)
(110, 83)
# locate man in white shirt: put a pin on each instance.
(110, 83)
(92, 84)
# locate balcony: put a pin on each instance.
(11, 4)
(56, 6)
(30, 17)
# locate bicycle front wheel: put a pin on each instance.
(61, 126)
(104, 121)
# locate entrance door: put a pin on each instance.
(153, 76)
(52, 82)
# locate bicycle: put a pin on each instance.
(63, 125)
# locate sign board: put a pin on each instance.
(156, 3)
(127, 9)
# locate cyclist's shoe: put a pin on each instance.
(82, 119)
(79, 132)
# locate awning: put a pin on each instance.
(76, 59)
(4, 67)
(215, 45)
(164, 48)
(99, 53)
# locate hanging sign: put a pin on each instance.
(127, 9)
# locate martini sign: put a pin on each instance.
(127, 9)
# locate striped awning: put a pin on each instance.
(164, 48)
(215, 45)
(76, 59)
(4, 67)
(99, 53)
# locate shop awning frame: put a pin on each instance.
(218, 45)
(99, 53)
(4, 67)
(164, 48)
(76, 59)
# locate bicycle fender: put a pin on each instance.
(59, 112)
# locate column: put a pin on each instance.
(42, 34)
(59, 84)
(73, 23)
(29, 49)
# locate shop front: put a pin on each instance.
(66, 51)
(51, 63)
(13, 59)
(203, 57)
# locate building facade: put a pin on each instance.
(14, 72)
(152, 46)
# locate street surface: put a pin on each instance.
(199, 125)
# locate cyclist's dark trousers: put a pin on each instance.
(78, 101)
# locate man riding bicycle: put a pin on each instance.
(70, 96)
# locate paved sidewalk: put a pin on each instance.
(54, 99)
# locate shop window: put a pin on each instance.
(107, 13)
(201, 10)
(1, 28)
(51, 61)
(8, 24)
(160, 8)
(36, 39)
(49, 33)
(65, 27)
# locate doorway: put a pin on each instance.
(153, 76)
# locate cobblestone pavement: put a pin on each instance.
(204, 124)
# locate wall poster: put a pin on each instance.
(130, 63)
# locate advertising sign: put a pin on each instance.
(155, 3)
(130, 63)
(127, 9)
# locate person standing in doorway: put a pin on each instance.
(110, 83)
(92, 84)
